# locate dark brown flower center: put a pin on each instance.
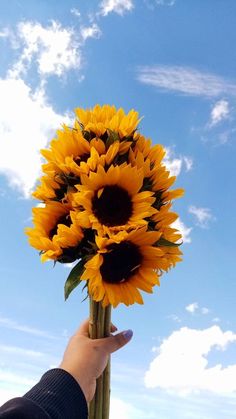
(84, 157)
(60, 192)
(121, 262)
(64, 219)
(113, 207)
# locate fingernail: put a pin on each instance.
(128, 334)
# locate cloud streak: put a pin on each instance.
(185, 80)
(13, 325)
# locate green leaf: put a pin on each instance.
(74, 278)
(112, 137)
(166, 243)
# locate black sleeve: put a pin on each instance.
(56, 396)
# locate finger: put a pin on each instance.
(113, 343)
(84, 328)
(113, 328)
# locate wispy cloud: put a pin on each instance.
(12, 324)
(188, 161)
(202, 215)
(219, 112)
(176, 163)
(92, 31)
(205, 310)
(194, 307)
(184, 230)
(116, 6)
(55, 49)
(152, 3)
(4, 33)
(185, 80)
(21, 351)
(191, 308)
(175, 318)
(181, 365)
(12, 378)
(216, 320)
(75, 11)
(165, 2)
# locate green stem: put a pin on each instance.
(99, 327)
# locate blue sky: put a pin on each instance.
(173, 61)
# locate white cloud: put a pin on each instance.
(219, 112)
(54, 48)
(184, 230)
(8, 394)
(202, 215)
(92, 31)
(12, 324)
(124, 410)
(74, 11)
(188, 161)
(175, 164)
(175, 318)
(192, 307)
(181, 365)
(165, 2)
(27, 123)
(151, 4)
(205, 310)
(69, 265)
(4, 33)
(172, 163)
(216, 320)
(116, 6)
(185, 80)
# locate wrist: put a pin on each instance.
(83, 381)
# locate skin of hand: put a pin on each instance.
(85, 359)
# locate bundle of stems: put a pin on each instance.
(99, 327)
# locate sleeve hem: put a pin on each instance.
(59, 395)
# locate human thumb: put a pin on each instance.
(113, 343)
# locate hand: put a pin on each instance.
(85, 359)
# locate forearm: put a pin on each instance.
(56, 396)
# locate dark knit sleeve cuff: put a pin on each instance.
(59, 395)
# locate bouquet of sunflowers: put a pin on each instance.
(106, 207)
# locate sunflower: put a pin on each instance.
(55, 232)
(123, 265)
(111, 200)
(144, 146)
(50, 188)
(104, 118)
(103, 179)
(69, 144)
